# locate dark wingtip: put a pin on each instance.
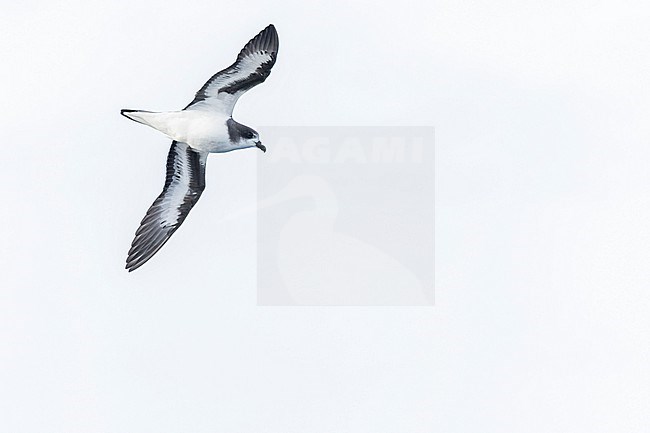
(132, 264)
(129, 265)
(266, 40)
(272, 38)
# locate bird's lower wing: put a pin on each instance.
(184, 184)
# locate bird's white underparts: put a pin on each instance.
(204, 126)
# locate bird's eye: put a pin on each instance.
(249, 135)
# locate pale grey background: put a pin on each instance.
(345, 216)
(543, 220)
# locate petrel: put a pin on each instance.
(204, 126)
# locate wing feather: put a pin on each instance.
(252, 67)
(184, 183)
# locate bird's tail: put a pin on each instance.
(139, 116)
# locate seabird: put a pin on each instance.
(204, 126)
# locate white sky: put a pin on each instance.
(542, 229)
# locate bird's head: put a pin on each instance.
(250, 138)
(243, 137)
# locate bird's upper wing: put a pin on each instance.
(183, 186)
(251, 68)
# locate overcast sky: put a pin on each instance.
(541, 323)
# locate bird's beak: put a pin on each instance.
(260, 146)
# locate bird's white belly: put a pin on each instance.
(207, 136)
(206, 132)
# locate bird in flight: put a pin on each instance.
(204, 126)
